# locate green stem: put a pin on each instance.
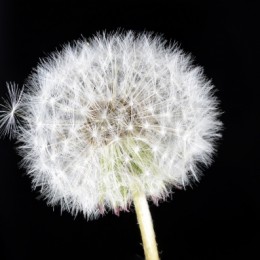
(146, 226)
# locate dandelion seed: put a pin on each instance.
(8, 111)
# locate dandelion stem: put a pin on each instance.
(146, 226)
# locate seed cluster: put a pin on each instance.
(111, 121)
(109, 117)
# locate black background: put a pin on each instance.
(215, 219)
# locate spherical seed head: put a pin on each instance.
(112, 116)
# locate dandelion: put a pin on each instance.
(117, 119)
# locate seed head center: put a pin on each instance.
(110, 121)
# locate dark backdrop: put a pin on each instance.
(215, 219)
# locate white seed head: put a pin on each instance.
(119, 114)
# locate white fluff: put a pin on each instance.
(8, 111)
(113, 115)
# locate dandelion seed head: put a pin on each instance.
(120, 113)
